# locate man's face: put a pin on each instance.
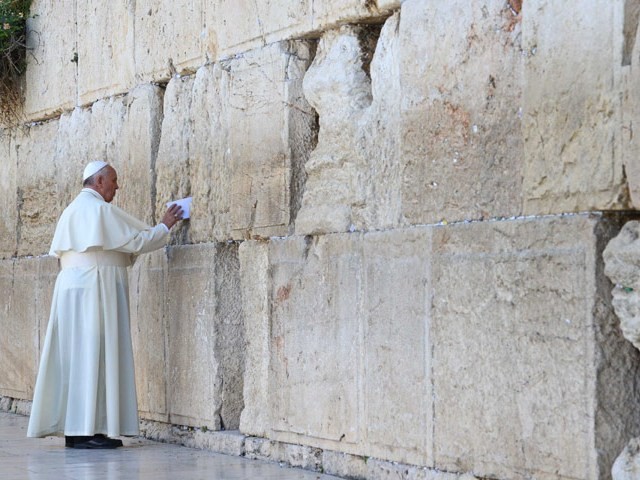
(108, 184)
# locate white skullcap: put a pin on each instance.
(92, 168)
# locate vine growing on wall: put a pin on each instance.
(13, 56)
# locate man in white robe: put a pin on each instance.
(85, 386)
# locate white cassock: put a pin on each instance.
(85, 383)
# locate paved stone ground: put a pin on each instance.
(140, 459)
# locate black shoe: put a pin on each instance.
(97, 442)
(70, 441)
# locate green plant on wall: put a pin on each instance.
(13, 53)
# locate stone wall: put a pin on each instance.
(393, 268)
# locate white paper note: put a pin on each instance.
(185, 204)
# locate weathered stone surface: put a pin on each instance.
(396, 321)
(315, 358)
(51, 75)
(332, 343)
(302, 456)
(254, 280)
(74, 149)
(105, 46)
(207, 149)
(149, 334)
(255, 134)
(382, 470)
(630, 80)
(19, 344)
(515, 305)
(205, 334)
(622, 263)
(264, 87)
(173, 180)
(27, 287)
(339, 89)
(572, 123)
(627, 465)
(168, 38)
(227, 442)
(38, 208)
(344, 465)
(262, 449)
(243, 25)
(8, 197)
(460, 73)
(138, 151)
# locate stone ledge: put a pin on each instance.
(232, 442)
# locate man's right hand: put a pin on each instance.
(172, 215)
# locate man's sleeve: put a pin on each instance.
(147, 240)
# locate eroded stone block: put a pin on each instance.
(147, 279)
(514, 356)
(38, 208)
(315, 337)
(105, 48)
(339, 327)
(261, 134)
(461, 72)
(51, 75)
(20, 329)
(74, 149)
(173, 180)
(168, 38)
(572, 122)
(254, 267)
(397, 321)
(205, 334)
(344, 465)
(256, 133)
(8, 197)
(243, 25)
(27, 288)
(138, 151)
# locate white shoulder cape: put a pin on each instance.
(90, 222)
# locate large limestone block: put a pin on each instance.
(630, 79)
(340, 333)
(622, 264)
(74, 149)
(531, 377)
(173, 166)
(397, 321)
(354, 173)
(38, 208)
(339, 89)
(8, 197)
(242, 25)
(264, 89)
(20, 329)
(51, 76)
(147, 280)
(572, 106)
(139, 143)
(417, 133)
(168, 38)
(27, 286)
(105, 48)
(627, 465)
(315, 344)
(205, 336)
(254, 281)
(460, 67)
(251, 131)
(210, 170)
